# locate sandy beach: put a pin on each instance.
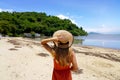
(26, 59)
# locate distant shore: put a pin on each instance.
(25, 59)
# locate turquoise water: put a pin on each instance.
(102, 40)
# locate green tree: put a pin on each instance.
(18, 23)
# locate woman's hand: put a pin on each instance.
(55, 39)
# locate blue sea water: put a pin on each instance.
(101, 40)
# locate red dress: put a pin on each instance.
(61, 72)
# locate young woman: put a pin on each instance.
(63, 56)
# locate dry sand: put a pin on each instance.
(25, 59)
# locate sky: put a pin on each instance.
(102, 16)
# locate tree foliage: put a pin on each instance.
(18, 23)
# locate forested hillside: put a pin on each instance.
(17, 23)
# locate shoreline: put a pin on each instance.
(98, 47)
(78, 42)
(25, 59)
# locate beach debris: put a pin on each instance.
(106, 55)
(24, 42)
(80, 71)
(43, 54)
(14, 42)
(13, 49)
(18, 46)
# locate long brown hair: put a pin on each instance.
(62, 55)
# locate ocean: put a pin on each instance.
(100, 40)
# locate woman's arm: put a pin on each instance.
(45, 41)
(74, 66)
(46, 46)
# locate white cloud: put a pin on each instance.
(62, 16)
(9, 10)
(104, 29)
(67, 17)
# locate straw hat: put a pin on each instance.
(67, 37)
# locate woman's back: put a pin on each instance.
(57, 66)
(61, 72)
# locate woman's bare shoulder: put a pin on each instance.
(71, 50)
